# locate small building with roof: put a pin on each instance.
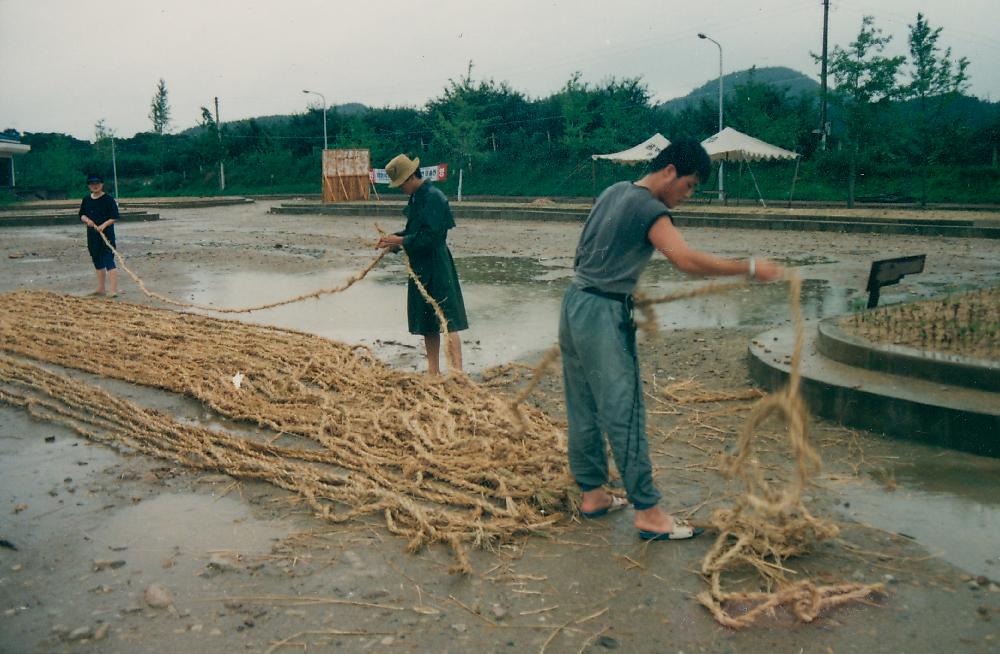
(10, 144)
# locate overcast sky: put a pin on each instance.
(65, 64)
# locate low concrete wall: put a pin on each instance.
(41, 220)
(873, 225)
(837, 344)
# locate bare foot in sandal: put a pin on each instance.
(596, 503)
(655, 524)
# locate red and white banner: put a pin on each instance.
(438, 173)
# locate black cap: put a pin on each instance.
(95, 179)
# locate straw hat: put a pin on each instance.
(400, 169)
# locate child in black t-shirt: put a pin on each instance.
(99, 211)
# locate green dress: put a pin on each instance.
(428, 219)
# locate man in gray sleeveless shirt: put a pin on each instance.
(597, 334)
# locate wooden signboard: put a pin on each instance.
(345, 175)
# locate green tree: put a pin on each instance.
(464, 120)
(766, 112)
(865, 82)
(159, 114)
(574, 105)
(209, 146)
(935, 82)
(622, 114)
(102, 132)
(159, 109)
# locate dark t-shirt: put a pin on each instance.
(614, 246)
(99, 210)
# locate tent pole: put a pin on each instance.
(795, 177)
(739, 189)
(754, 178)
(593, 179)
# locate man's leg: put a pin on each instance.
(623, 416)
(432, 346)
(607, 352)
(587, 452)
(100, 280)
(112, 281)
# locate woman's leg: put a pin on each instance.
(432, 346)
(455, 349)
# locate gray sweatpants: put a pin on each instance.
(604, 395)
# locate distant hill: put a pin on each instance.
(794, 82)
(280, 120)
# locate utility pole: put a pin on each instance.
(114, 168)
(822, 75)
(218, 132)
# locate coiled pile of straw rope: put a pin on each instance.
(440, 458)
(768, 525)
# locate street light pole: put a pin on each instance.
(722, 191)
(323, 97)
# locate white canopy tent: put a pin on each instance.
(640, 153)
(644, 151)
(733, 145)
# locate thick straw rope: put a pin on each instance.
(439, 458)
(767, 525)
(353, 279)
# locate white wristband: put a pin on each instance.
(752, 268)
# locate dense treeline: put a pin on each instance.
(904, 133)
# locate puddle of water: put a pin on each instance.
(51, 478)
(513, 305)
(805, 260)
(757, 305)
(35, 260)
(510, 320)
(948, 501)
(501, 270)
(188, 524)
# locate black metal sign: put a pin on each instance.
(888, 272)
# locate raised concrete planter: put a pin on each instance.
(840, 345)
(905, 407)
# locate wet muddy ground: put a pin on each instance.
(248, 569)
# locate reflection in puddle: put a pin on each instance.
(187, 523)
(513, 305)
(509, 270)
(949, 502)
(764, 304)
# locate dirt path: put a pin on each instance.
(249, 569)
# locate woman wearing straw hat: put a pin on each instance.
(428, 219)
